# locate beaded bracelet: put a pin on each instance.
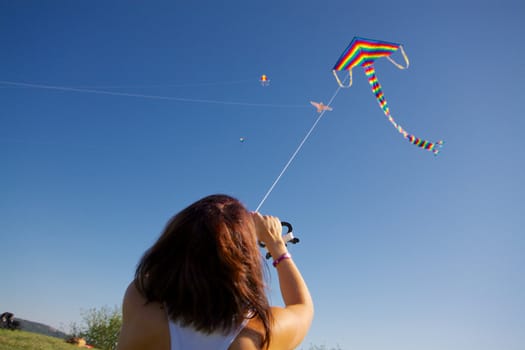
(281, 258)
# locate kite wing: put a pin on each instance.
(362, 52)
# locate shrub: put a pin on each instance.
(99, 327)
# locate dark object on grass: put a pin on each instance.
(7, 321)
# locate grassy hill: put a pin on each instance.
(40, 328)
(22, 340)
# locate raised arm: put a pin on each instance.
(292, 322)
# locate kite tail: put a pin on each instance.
(378, 92)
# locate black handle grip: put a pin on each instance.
(289, 237)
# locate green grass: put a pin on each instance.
(21, 340)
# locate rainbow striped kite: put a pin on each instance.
(363, 52)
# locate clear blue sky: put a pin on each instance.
(402, 250)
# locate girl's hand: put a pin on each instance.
(269, 230)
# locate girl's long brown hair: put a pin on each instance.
(206, 268)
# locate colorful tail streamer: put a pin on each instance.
(378, 92)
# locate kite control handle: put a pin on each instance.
(288, 237)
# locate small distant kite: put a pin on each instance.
(264, 80)
(241, 139)
(363, 52)
(321, 106)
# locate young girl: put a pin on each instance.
(201, 285)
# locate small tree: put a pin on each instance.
(100, 327)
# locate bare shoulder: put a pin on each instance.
(252, 335)
(250, 338)
(288, 330)
(144, 325)
(137, 306)
(133, 299)
(289, 327)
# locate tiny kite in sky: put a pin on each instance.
(241, 139)
(264, 80)
(363, 52)
(321, 106)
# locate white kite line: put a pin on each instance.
(154, 97)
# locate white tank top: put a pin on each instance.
(187, 338)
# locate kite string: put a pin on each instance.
(154, 97)
(296, 151)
